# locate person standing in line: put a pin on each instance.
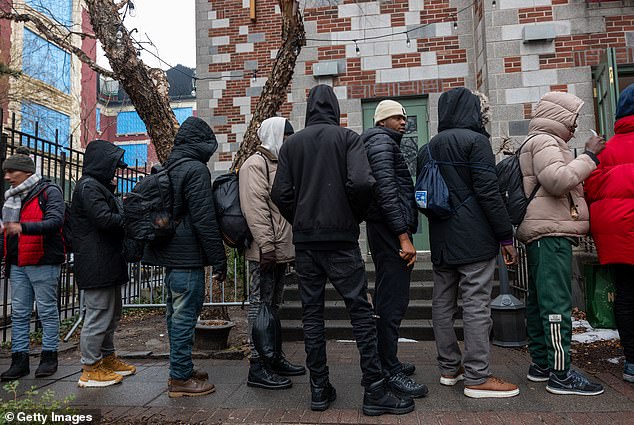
(465, 246)
(271, 249)
(554, 221)
(610, 194)
(100, 267)
(197, 243)
(323, 187)
(391, 220)
(33, 250)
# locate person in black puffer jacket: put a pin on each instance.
(100, 268)
(464, 247)
(323, 186)
(196, 244)
(392, 219)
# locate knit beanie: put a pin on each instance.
(288, 128)
(20, 161)
(388, 108)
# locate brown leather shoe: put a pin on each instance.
(190, 388)
(452, 379)
(492, 388)
(199, 375)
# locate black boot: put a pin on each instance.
(403, 385)
(261, 377)
(378, 399)
(19, 367)
(48, 364)
(283, 367)
(322, 396)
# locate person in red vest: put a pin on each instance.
(33, 216)
(610, 193)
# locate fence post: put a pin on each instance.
(62, 166)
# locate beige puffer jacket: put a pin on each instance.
(269, 229)
(559, 208)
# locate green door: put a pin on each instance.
(415, 137)
(606, 91)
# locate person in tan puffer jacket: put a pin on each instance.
(554, 220)
(270, 250)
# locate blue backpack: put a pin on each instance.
(431, 191)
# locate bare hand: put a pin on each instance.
(509, 253)
(595, 144)
(13, 228)
(220, 277)
(407, 251)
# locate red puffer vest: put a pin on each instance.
(610, 193)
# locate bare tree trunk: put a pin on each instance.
(147, 87)
(274, 92)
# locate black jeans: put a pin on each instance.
(624, 307)
(391, 294)
(346, 271)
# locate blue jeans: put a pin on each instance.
(185, 295)
(29, 283)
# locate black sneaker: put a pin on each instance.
(321, 397)
(408, 368)
(261, 377)
(536, 373)
(403, 385)
(378, 399)
(575, 383)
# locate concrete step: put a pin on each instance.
(420, 330)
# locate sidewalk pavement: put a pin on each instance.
(142, 398)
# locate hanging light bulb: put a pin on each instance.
(455, 23)
(119, 34)
(254, 78)
(494, 4)
(131, 9)
(356, 48)
(408, 42)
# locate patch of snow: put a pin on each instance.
(581, 324)
(594, 335)
(346, 341)
(406, 340)
(615, 360)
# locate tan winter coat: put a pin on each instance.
(269, 229)
(559, 208)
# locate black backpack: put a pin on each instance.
(233, 226)
(149, 209)
(511, 185)
(67, 230)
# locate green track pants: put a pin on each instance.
(549, 303)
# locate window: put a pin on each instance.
(182, 114)
(129, 122)
(48, 121)
(134, 153)
(98, 122)
(46, 62)
(58, 10)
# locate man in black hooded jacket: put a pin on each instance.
(323, 187)
(464, 247)
(100, 268)
(196, 244)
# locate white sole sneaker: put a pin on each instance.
(450, 382)
(124, 372)
(572, 392)
(96, 384)
(490, 394)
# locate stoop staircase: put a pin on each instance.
(416, 325)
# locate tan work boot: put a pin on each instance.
(452, 379)
(492, 388)
(117, 365)
(97, 375)
(190, 388)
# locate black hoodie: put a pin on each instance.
(197, 241)
(474, 233)
(323, 184)
(97, 220)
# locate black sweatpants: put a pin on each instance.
(624, 307)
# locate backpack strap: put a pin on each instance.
(538, 185)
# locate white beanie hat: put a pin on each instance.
(388, 108)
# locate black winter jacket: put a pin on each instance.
(393, 202)
(479, 225)
(48, 246)
(97, 220)
(197, 242)
(323, 184)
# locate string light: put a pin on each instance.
(131, 9)
(356, 48)
(119, 35)
(455, 22)
(254, 78)
(494, 4)
(408, 42)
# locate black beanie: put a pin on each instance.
(288, 128)
(20, 161)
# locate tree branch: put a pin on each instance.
(58, 39)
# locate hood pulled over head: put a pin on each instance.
(322, 106)
(556, 113)
(102, 159)
(460, 108)
(195, 140)
(625, 108)
(271, 134)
